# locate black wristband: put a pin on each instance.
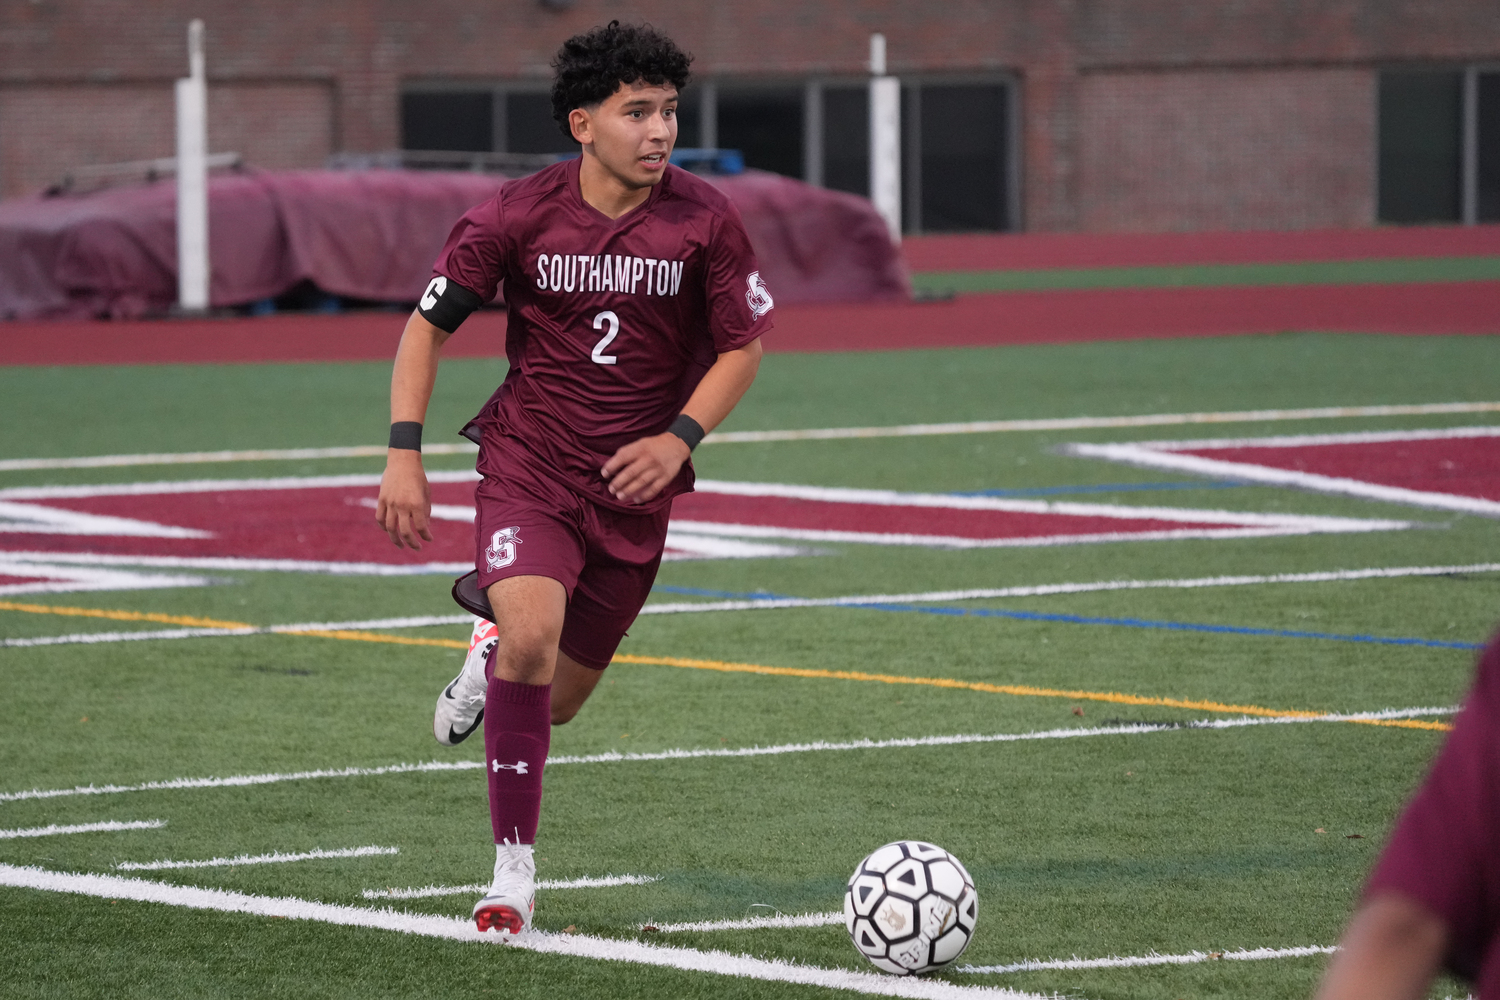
(406, 434)
(688, 429)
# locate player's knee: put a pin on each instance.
(524, 661)
(563, 714)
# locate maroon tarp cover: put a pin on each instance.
(370, 235)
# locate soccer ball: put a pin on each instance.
(910, 908)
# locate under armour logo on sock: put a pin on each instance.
(519, 766)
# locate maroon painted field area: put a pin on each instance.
(1460, 466)
(335, 523)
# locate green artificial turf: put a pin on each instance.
(1336, 272)
(1097, 845)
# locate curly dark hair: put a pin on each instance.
(591, 66)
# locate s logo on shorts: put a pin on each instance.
(502, 550)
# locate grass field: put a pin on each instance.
(1162, 839)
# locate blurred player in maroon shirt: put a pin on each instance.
(1434, 897)
(635, 315)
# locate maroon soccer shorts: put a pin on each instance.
(528, 525)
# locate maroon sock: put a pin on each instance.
(517, 733)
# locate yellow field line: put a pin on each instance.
(1014, 689)
(1021, 690)
(121, 616)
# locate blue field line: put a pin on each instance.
(728, 595)
(1039, 616)
(1047, 491)
(1276, 633)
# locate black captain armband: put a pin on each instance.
(406, 435)
(688, 429)
(446, 303)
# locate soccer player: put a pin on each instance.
(1433, 899)
(635, 315)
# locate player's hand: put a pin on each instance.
(642, 469)
(405, 503)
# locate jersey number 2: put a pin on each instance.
(606, 318)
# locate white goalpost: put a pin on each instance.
(192, 179)
(885, 139)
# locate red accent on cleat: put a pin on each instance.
(504, 919)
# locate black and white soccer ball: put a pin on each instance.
(910, 908)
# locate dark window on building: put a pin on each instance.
(690, 119)
(846, 139)
(955, 158)
(963, 157)
(765, 125)
(1489, 147)
(451, 120)
(1421, 141)
(529, 126)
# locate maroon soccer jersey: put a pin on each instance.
(612, 322)
(1445, 851)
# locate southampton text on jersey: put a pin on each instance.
(608, 273)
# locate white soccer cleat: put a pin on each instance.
(507, 907)
(460, 708)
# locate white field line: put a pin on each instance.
(201, 457)
(45, 578)
(944, 501)
(243, 780)
(1090, 423)
(88, 638)
(604, 882)
(682, 546)
(203, 633)
(1314, 440)
(215, 486)
(889, 498)
(615, 757)
(274, 858)
(1135, 961)
(454, 929)
(1046, 589)
(1148, 457)
(747, 437)
(781, 920)
(26, 518)
(235, 563)
(768, 603)
(717, 539)
(108, 826)
(1036, 541)
(682, 541)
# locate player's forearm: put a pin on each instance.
(723, 385)
(1391, 951)
(416, 369)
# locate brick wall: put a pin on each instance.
(1226, 149)
(122, 55)
(46, 131)
(273, 125)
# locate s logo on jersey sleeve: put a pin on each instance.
(758, 296)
